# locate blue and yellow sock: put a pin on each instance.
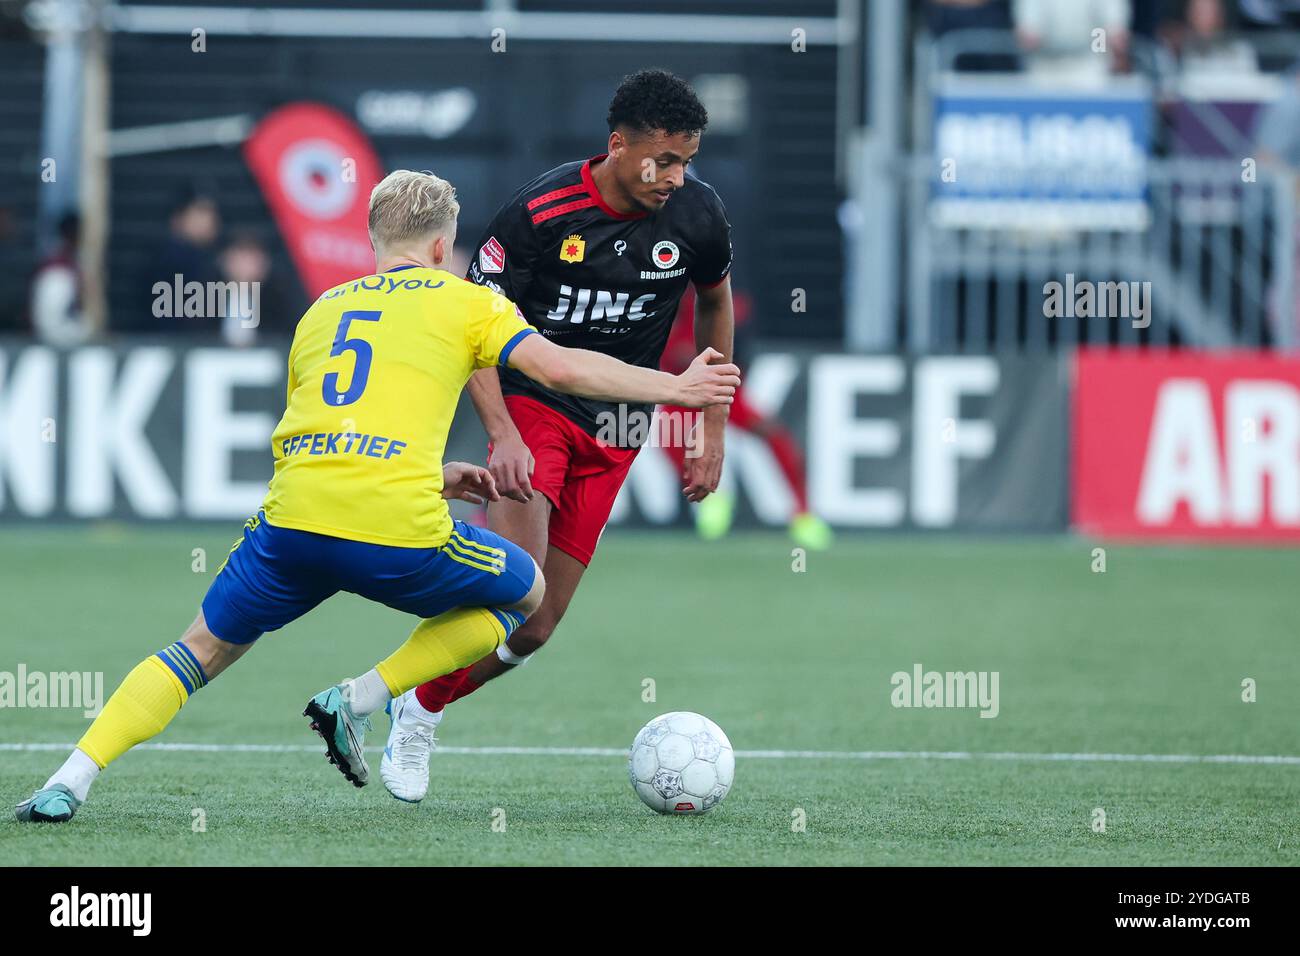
(442, 644)
(144, 703)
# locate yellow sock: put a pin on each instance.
(145, 702)
(441, 645)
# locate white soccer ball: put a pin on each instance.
(681, 763)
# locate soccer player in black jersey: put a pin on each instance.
(596, 254)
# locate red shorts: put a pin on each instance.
(580, 476)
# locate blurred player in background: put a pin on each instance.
(357, 501)
(597, 254)
(714, 513)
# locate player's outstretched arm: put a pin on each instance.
(598, 376)
(511, 463)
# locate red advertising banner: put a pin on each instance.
(316, 169)
(1186, 445)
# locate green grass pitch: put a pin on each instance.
(1147, 658)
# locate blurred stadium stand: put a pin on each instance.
(1216, 243)
(920, 173)
(783, 151)
(770, 151)
(21, 110)
(539, 109)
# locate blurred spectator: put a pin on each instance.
(187, 255)
(1205, 46)
(1057, 36)
(264, 306)
(244, 267)
(947, 16)
(55, 305)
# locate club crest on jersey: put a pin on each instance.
(492, 257)
(665, 254)
(572, 249)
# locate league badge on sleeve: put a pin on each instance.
(492, 257)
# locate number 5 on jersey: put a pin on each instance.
(360, 370)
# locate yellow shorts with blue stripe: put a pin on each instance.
(275, 575)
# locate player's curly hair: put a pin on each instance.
(656, 99)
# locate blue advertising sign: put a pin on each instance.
(1012, 156)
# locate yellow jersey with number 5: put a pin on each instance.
(375, 373)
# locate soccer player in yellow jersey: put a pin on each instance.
(358, 499)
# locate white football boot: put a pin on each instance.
(405, 765)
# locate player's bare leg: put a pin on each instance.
(416, 714)
(143, 704)
(523, 522)
(526, 524)
(438, 645)
(563, 574)
(214, 655)
(404, 766)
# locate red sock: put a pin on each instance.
(441, 691)
(787, 456)
(466, 687)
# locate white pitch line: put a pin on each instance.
(746, 754)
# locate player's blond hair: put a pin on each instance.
(409, 206)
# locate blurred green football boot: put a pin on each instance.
(714, 514)
(811, 532)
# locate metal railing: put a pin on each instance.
(1215, 268)
(1214, 262)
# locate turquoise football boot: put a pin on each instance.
(344, 733)
(54, 804)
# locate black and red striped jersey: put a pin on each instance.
(586, 276)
